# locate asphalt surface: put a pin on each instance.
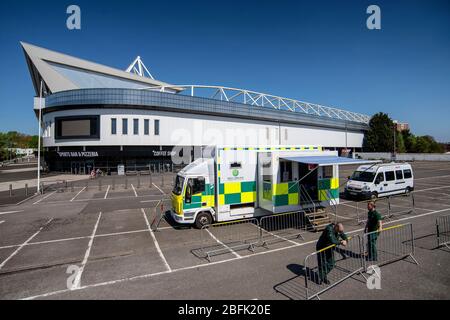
(94, 242)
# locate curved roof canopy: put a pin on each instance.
(61, 72)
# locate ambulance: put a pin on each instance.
(231, 183)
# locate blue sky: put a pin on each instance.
(317, 51)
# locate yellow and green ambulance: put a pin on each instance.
(230, 183)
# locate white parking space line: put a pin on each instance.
(348, 205)
(77, 280)
(36, 202)
(146, 201)
(107, 190)
(428, 189)
(24, 244)
(9, 212)
(158, 188)
(156, 242)
(134, 190)
(150, 275)
(223, 244)
(2, 221)
(77, 194)
(80, 238)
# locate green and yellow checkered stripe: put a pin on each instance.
(285, 194)
(281, 194)
(202, 200)
(328, 189)
(237, 192)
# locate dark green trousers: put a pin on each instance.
(372, 254)
(325, 263)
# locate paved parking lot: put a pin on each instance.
(97, 239)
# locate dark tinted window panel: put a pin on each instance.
(77, 127)
(113, 126)
(399, 174)
(407, 173)
(124, 126)
(135, 126)
(390, 175)
(156, 127)
(146, 126)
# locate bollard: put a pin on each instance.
(139, 180)
(126, 182)
(151, 182)
(87, 185)
(72, 187)
(26, 189)
(10, 190)
(65, 182)
(99, 184)
(162, 180)
(42, 188)
(113, 183)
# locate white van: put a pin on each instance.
(380, 180)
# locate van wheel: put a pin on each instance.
(203, 219)
(408, 191)
(374, 196)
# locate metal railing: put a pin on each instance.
(443, 231)
(228, 237)
(388, 207)
(159, 215)
(282, 227)
(263, 100)
(327, 267)
(388, 245)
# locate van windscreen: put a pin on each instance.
(363, 176)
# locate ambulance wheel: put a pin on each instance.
(374, 196)
(203, 219)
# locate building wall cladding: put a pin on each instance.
(186, 120)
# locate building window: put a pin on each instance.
(156, 127)
(124, 126)
(135, 126)
(113, 126)
(146, 127)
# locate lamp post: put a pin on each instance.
(39, 142)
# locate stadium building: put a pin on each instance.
(94, 116)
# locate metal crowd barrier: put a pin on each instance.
(226, 237)
(326, 268)
(389, 245)
(388, 207)
(382, 206)
(443, 231)
(283, 226)
(159, 215)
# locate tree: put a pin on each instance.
(400, 143)
(380, 136)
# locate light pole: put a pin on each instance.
(39, 142)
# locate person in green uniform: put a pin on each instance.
(373, 226)
(332, 235)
